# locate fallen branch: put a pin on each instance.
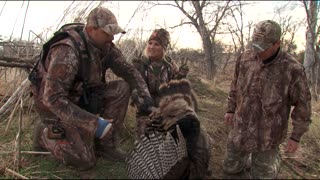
(35, 152)
(41, 172)
(15, 173)
(32, 60)
(26, 152)
(16, 65)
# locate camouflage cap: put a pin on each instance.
(103, 18)
(162, 36)
(265, 34)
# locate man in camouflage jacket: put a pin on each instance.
(59, 99)
(266, 83)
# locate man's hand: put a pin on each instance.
(144, 103)
(292, 146)
(228, 119)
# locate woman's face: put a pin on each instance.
(154, 50)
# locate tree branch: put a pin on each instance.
(219, 18)
(193, 20)
(181, 24)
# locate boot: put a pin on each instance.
(241, 175)
(112, 153)
(109, 148)
(88, 174)
(37, 144)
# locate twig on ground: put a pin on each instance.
(207, 119)
(39, 172)
(129, 131)
(15, 173)
(310, 155)
(35, 152)
(55, 176)
(290, 166)
(29, 169)
(26, 152)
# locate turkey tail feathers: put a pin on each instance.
(155, 155)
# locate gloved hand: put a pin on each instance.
(104, 126)
(155, 122)
(145, 107)
(183, 71)
(184, 67)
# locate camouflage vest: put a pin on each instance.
(73, 31)
(155, 73)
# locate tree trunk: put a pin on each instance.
(317, 77)
(310, 53)
(209, 59)
(309, 59)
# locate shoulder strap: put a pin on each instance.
(84, 55)
(168, 63)
(44, 52)
(75, 32)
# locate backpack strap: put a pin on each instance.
(82, 48)
(73, 31)
(85, 64)
(43, 55)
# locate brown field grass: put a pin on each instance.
(212, 101)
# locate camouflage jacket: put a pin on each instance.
(61, 90)
(261, 96)
(158, 72)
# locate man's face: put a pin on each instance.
(270, 51)
(100, 38)
(154, 50)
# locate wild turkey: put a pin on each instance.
(174, 146)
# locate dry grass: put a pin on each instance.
(212, 102)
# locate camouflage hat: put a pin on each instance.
(162, 36)
(103, 18)
(265, 34)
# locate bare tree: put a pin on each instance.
(310, 63)
(237, 25)
(206, 17)
(289, 25)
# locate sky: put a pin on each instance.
(44, 15)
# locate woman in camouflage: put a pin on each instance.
(157, 68)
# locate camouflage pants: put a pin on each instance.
(79, 151)
(263, 165)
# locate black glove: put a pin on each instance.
(145, 108)
(183, 71)
(155, 124)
